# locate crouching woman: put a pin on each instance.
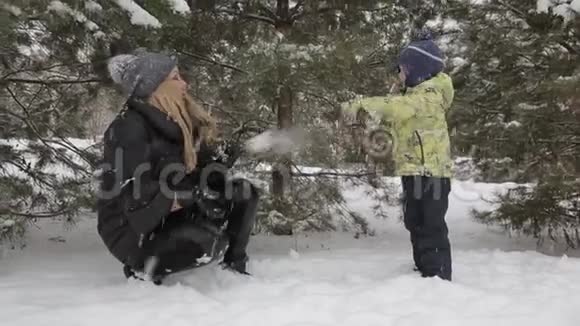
(153, 214)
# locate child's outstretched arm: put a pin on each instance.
(379, 107)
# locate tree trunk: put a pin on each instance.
(281, 176)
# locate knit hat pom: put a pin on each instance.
(118, 65)
(424, 34)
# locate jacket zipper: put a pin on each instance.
(421, 145)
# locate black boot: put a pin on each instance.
(238, 266)
(241, 220)
(130, 274)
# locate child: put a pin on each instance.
(421, 150)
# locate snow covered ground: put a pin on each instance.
(316, 279)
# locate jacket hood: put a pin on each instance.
(157, 119)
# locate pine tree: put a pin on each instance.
(255, 64)
(517, 112)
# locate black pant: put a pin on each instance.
(189, 238)
(425, 206)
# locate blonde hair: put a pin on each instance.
(195, 123)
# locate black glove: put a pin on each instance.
(212, 205)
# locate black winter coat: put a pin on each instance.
(138, 144)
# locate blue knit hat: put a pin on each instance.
(422, 60)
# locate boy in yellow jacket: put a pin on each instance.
(416, 120)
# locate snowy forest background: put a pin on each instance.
(262, 64)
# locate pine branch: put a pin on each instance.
(569, 47)
(526, 18)
(359, 9)
(320, 97)
(332, 174)
(41, 69)
(295, 13)
(51, 82)
(247, 15)
(64, 211)
(26, 169)
(34, 129)
(206, 59)
(271, 14)
(542, 141)
(328, 174)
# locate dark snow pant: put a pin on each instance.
(187, 240)
(425, 206)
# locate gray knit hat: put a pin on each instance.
(140, 74)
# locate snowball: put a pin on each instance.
(276, 141)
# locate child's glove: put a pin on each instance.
(350, 110)
(377, 140)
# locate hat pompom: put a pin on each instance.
(424, 34)
(118, 65)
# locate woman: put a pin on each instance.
(153, 212)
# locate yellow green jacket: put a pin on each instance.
(417, 122)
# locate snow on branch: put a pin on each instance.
(180, 6)
(12, 9)
(247, 15)
(93, 6)
(568, 10)
(139, 16)
(63, 9)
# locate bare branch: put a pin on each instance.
(360, 9)
(268, 12)
(40, 69)
(333, 174)
(51, 82)
(33, 127)
(64, 211)
(294, 14)
(247, 15)
(206, 59)
(526, 17)
(320, 97)
(542, 141)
